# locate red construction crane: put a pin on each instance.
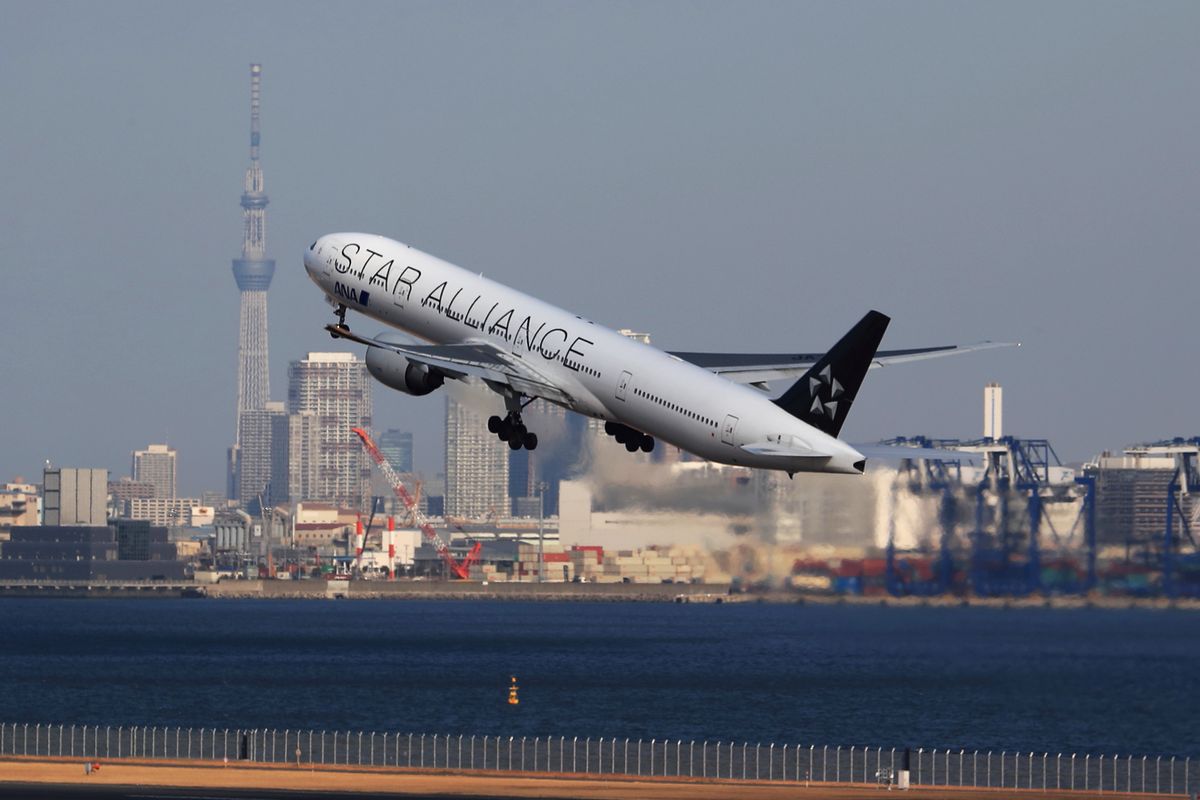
(457, 569)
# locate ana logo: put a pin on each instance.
(350, 293)
(824, 382)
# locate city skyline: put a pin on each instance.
(1010, 172)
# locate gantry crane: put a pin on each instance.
(459, 569)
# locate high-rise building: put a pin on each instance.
(476, 464)
(336, 389)
(255, 456)
(397, 448)
(303, 456)
(253, 273)
(156, 466)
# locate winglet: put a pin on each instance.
(823, 396)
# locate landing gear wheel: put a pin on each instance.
(505, 430)
(622, 436)
(610, 428)
(494, 424)
(530, 441)
(632, 446)
(514, 443)
(647, 443)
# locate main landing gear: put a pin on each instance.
(633, 440)
(512, 430)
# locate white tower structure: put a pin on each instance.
(253, 273)
(993, 412)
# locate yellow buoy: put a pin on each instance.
(512, 692)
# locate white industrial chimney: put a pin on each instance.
(993, 411)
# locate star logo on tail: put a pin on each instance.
(825, 390)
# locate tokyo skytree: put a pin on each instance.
(253, 272)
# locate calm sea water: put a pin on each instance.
(1084, 680)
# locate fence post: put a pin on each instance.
(718, 759)
(1157, 775)
(692, 759)
(1046, 768)
(574, 747)
(704, 759)
(1172, 788)
(771, 761)
(837, 765)
(652, 756)
(812, 748)
(624, 770)
(510, 743)
(1087, 759)
(825, 762)
(639, 757)
(562, 753)
(485, 741)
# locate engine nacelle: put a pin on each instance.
(397, 372)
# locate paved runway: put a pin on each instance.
(141, 780)
(42, 791)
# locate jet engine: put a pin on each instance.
(397, 372)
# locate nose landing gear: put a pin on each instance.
(512, 430)
(341, 327)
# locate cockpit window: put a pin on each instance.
(312, 246)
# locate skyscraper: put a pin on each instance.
(336, 389)
(476, 464)
(256, 456)
(397, 448)
(253, 273)
(156, 466)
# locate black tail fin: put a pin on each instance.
(823, 396)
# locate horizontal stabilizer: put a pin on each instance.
(777, 450)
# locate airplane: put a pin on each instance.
(714, 405)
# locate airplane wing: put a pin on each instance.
(479, 360)
(758, 368)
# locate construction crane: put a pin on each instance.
(458, 569)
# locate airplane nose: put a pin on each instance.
(312, 254)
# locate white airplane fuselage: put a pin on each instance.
(606, 375)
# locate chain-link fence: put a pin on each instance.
(608, 756)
